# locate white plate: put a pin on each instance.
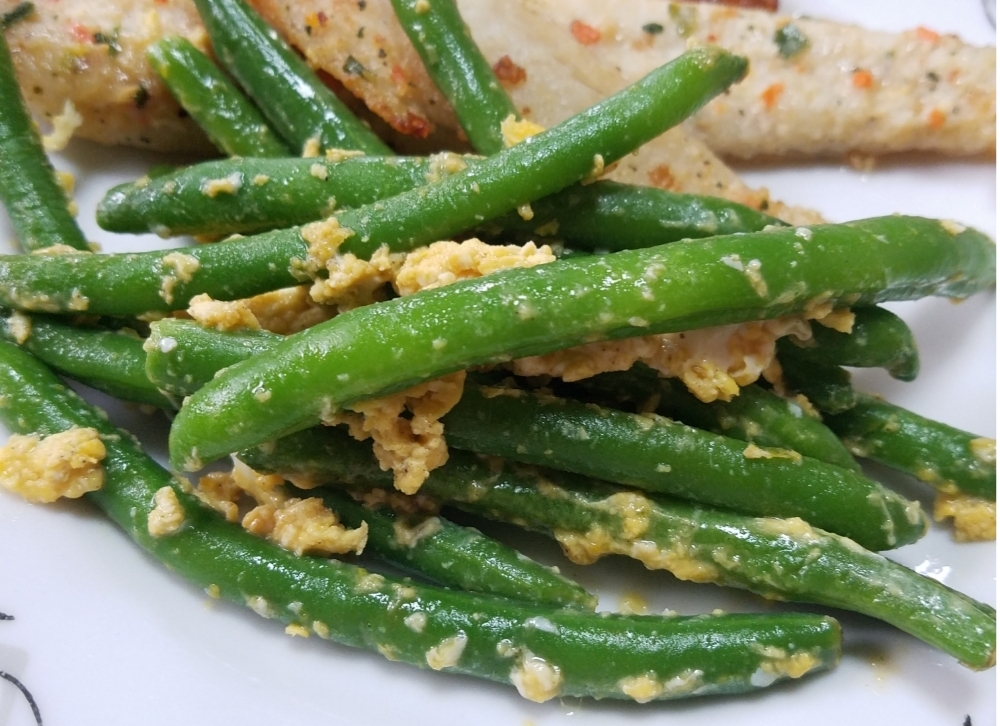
(104, 635)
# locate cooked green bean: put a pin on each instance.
(111, 361)
(947, 458)
(275, 193)
(458, 69)
(299, 105)
(124, 284)
(755, 415)
(577, 653)
(36, 204)
(609, 217)
(233, 124)
(521, 312)
(268, 194)
(827, 386)
(879, 339)
(455, 556)
(654, 454)
(659, 455)
(782, 559)
(182, 356)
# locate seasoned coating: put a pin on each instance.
(93, 54)
(846, 90)
(558, 77)
(362, 45)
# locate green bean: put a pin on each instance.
(458, 69)
(268, 194)
(125, 284)
(455, 556)
(755, 415)
(522, 312)
(298, 104)
(182, 356)
(233, 124)
(36, 204)
(658, 455)
(610, 217)
(654, 454)
(275, 193)
(111, 361)
(947, 458)
(878, 339)
(827, 386)
(582, 653)
(780, 559)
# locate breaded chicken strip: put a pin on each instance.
(841, 89)
(94, 55)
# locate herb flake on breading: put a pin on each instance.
(16, 15)
(790, 40)
(110, 40)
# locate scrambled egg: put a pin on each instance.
(447, 653)
(410, 447)
(44, 469)
(303, 526)
(712, 362)
(283, 311)
(167, 515)
(350, 281)
(975, 519)
(181, 270)
(443, 263)
(535, 678)
(514, 131)
(63, 127)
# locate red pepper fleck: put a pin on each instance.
(771, 95)
(928, 35)
(584, 34)
(771, 5)
(936, 118)
(508, 72)
(862, 79)
(81, 33)
(414, 125)
(661, 176)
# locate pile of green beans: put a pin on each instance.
(778, 558)
(593, 655)
(524, 312)
(697, 497)
(653, 454)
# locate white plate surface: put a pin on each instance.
(105, 635)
